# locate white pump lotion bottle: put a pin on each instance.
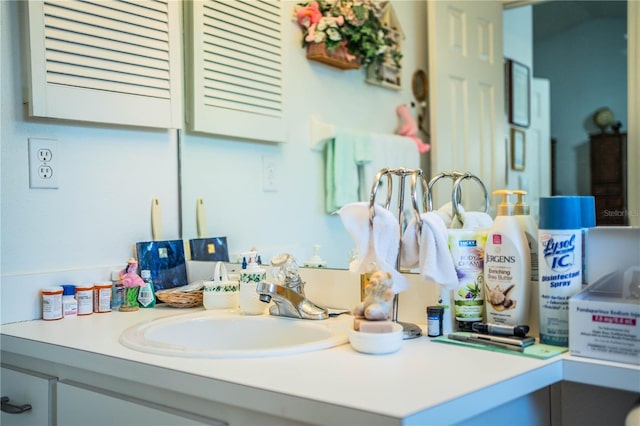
(507, 268)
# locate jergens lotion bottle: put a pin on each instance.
(507, 268)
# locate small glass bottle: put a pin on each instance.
(69, 302)
(434, 320)
(117, 289)
(146, 295)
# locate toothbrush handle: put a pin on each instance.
(156, 220)
(201, 218)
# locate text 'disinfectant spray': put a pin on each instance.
(560, 265)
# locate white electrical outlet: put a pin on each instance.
(269, 174)
(43, 163)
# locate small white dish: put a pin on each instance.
(377, 343)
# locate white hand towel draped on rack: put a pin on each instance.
(377, 244)
(426, 247)
(424, 243)
(464, 219)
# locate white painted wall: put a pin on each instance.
(517, 27)
(108, 175)
(228, 174)
(587, 68)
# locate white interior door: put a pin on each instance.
(538, 146)
(467, 91)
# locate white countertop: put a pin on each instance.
(424, 380)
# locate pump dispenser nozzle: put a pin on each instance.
(504, 208)
(520, 208)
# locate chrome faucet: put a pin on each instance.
(288, 293)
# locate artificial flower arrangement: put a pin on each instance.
(348, 29)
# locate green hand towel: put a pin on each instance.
(343, 155)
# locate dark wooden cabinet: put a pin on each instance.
(609, 177)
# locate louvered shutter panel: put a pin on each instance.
(107, 61)
(236, 79)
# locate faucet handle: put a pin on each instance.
(285, 269)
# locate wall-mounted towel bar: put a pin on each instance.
(322, 131)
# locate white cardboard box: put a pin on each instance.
(603, 324)
(604, 318)
(610, 249)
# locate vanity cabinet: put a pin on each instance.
(80, 405)
(27, 387)
(99, 381)
(81, 397)
(125, 403)
(609, 177)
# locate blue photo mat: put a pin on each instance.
(165, 260)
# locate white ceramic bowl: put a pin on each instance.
(220, 300)
(377, 343)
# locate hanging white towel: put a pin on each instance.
(378, 245)
(428, 249)
(389, 151)
(471, 220)
(445, 212)
(476, 220)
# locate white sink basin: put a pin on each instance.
(228, 334)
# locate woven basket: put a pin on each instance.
(180, 299)
(338, 58)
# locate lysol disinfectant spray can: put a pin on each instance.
(560, 265)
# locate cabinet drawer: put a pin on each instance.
(27, 387)
(79, 404)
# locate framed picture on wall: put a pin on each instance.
(517, 149)
(518, 93)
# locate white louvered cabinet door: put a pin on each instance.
(235, 68)
(106, 61)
